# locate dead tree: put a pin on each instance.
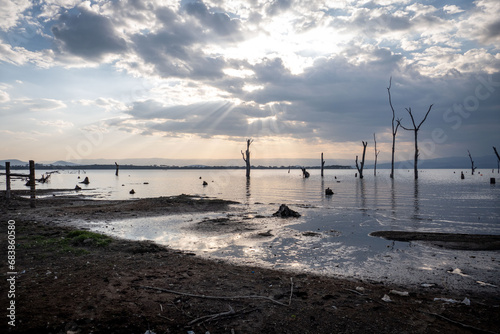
(394, 127)
(246, 156)
(376, 156)
(116, 173)
(305, 173)
(498, 159)
(360, 169)
(415, 130)
(473, 168)
(322, 164)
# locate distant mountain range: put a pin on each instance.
(463, 162)
(16, 162)
(487, 161)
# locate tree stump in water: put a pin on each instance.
(328, 191)
(285, 212)
(86, 181)
(305, 173)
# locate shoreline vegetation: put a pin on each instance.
(73, 281)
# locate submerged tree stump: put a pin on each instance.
(285, 212)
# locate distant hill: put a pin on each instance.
(61, 163)
(14, 162)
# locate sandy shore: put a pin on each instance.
(73, 282)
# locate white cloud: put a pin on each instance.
(57, 123)
(314, 70)
(483, 24)
(43, 104)
(452, 9)
(107, 104)
(12, 12)
(4, 97)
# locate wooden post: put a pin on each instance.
(32, 184)
(7, 179)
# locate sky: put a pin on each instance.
(194, 79)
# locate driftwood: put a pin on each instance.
(211, 297)
(222, 315)
(472, 328)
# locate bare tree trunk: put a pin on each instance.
(415, 129)
(246, 157)
(376, 156)
(498, 159)
(394, 128)
(415, 158)
(472, 163)
(116, 173)
(360, 169)
(322, 164)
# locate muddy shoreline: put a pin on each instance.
(67, 284)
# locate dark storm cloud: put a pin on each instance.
(87, 35)
(220, 23)
(277, 6)
(176, 50)
(493, 30)
(364, 20)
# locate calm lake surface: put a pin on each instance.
(331, 236)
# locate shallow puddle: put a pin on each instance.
(330, 242)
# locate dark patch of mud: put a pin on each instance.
(446, 240)
(223, 225)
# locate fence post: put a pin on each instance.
(32, 184)
(7, 180)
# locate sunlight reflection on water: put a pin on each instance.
(337, 226)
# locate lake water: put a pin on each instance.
(331, 236)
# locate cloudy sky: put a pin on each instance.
(194, 79)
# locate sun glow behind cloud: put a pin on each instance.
(298, 77)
